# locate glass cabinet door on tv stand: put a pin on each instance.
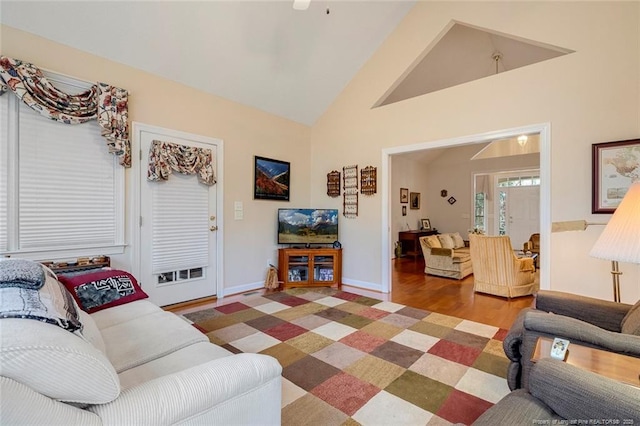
(310, 267)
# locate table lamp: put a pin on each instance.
(620, 240)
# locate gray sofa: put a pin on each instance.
(560, 393)
(610, 326)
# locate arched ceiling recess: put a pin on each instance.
(464, 53)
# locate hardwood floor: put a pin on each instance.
(447, 296)
(413, 288)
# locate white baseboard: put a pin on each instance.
(228, 291)
(363, 284)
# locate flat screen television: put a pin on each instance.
(307, 226)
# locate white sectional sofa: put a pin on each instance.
(133, 364)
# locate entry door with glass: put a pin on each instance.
(518, 208)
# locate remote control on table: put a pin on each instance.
(559, 348)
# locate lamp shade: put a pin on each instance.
(620, 240)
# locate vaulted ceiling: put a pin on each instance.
(263, 53)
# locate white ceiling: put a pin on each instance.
(259, 53)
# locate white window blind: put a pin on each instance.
(4, 170)
(179, 224)
(65, 192)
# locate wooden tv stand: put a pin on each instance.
(310, 267)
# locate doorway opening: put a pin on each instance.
(507, 203)
(388, 199)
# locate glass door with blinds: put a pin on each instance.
(178, 231)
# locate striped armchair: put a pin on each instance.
(497, 270)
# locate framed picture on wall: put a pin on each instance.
(414, 200)
(404, 195)
(271, 179)
(404, 210)
(615, 166)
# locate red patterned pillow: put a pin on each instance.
(103, 289)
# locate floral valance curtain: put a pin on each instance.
(164, 157)
(106, 103)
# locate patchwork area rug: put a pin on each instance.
(349, 359)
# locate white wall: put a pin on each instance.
(590, 96)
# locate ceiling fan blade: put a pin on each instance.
(301, 4)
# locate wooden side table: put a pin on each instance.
(623, 368)
(411, 241)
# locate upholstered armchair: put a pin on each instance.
(562, 394)
(533, 245)
(586, 321)
(497, 270)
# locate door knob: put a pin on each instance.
(213, 228)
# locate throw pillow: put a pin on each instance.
(103, 289)
(446, 241)
(52, 304)
(458, 242)
(631, 322)
(433, 241)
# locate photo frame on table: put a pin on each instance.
(271, 179)
(425, 224)
(614, 167)
(414, 200)
(404, 195)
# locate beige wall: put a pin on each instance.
(592, 95)
(245, 132)
(454, 172)
(412, 175)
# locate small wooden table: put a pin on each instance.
(619, 367)
(411, 241)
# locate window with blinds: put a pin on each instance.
(60, 189)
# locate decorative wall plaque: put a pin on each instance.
(350, 186)
(333, 183)
(368, 180)
(350, 206)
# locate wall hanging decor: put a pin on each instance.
(615, 166)
(368, 180)
(443, 193)
(333, 183)
(271, 179)
(415, 200)
(350, 186)
(452, 200)
(404, 195)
